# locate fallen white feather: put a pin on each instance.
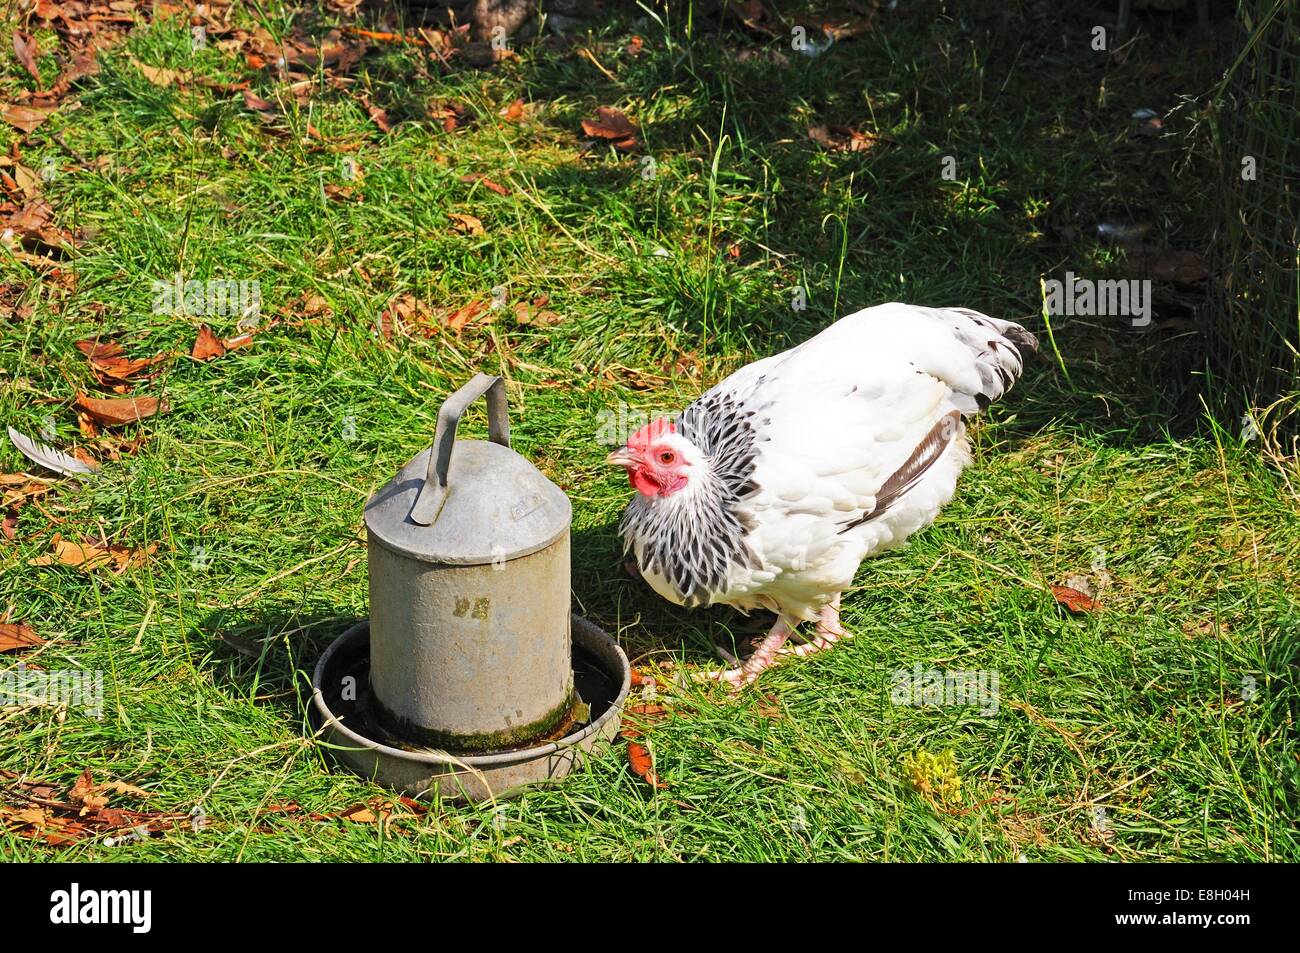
(48, 457)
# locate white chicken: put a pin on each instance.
(771, 488)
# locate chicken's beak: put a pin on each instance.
(622, 457)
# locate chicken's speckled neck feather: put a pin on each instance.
(692, 537)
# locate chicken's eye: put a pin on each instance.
(667, 457)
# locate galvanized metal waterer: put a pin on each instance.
(471, 679)
(470, 640)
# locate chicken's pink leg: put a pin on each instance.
(762, 659)
(828, 632)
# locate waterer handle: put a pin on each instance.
(428, 504)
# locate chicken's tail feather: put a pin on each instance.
(1000, 349)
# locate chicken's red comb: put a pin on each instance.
(651, 432)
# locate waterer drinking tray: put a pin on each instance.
(346, 730)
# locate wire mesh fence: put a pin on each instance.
(1254, 314)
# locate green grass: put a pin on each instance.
(1135, 708)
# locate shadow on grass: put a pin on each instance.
(267, 652)
(609, 592)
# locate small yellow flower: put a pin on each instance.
(935, 777)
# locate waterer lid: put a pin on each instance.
(467, 502)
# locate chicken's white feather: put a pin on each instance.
(48, 457)
(829, 422)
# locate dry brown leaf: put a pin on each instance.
(87, 425)
(18, 637)
(207, 345)
(158, 75)
(342, 193)
(643, 766)
(632, 378)
(34, 224)
(84, 63)
(387, 324)
(463, 315)
(840, 138)
(18, 488)
(83, 813)
(451, 114)
(467, 224)
(35, 816)
(1206, 626)
(119, 411)
(28, 182)
(116, 446)
(376, 811)
(487, 183)
(378, 116)
(122, 787)
(515, 112)
(330, 53)
(25, 118)
(686, 364)
(407, 313)
(26, 49)
(111, 363)
(535, 314)
(32, 217)
(847, 29)
(82, 794)
(309, 308)
(89, 556)
(612, 124)
(1074, 600)
(257, 103)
